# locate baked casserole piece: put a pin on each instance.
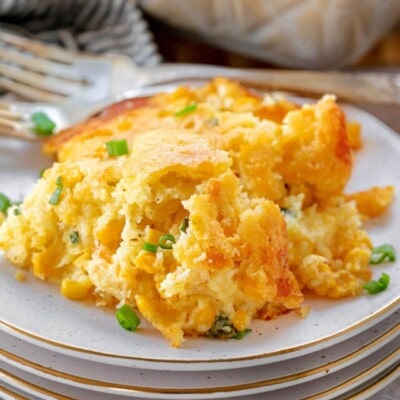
(228, 206)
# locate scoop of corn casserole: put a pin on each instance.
(232, 260)
(258, 180)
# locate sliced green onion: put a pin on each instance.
(150, 247)
(384, 280)
(241, 334)
(380, 285)
(55, 197)
(74, 237)
(186, 110)
(5, 203)
(221, 328)
(41, 172)
(127, 318)
(383, 253)
(184, 225)
(117, 147)
(167, 241)
(42, 124)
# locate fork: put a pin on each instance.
(15, 117)
(41, 72)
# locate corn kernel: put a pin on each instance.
(110, 234)
(240, 320)
(205, 317)
(43, 262)
(146, 261)
(153, 236)
(74, 289)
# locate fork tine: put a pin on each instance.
(9, 132)
(37, 48)
(39, 81)
(16, 129)
(31, 92)
(12, 115)
(10, 111)
(8, 123)
(15, 123)
(39, 64)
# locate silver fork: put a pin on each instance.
(16, 117)
(47, 73)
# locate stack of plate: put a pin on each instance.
(80, 356)
(52, 348)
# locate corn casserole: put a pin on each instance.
(248, 188)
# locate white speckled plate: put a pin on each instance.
(380, 366)
(35, 311)
(105, 378)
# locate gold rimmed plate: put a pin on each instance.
(206, 385)
(382, 365)
(10, 394)
(37, 313)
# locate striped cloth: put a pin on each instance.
(98, 26)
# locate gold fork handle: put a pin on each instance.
(354, 86)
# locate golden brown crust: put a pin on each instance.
(92, 124)
(315, 148)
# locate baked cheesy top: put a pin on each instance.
(247, 190)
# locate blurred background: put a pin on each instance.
(305, 34)
(331, 34)
(308, 34)
(302, 34)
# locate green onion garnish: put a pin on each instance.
(42, 124)
(41, 172)
(184, 225)
(150, 247)
(74, 237)
(186, 110)
(5, 203)
(378, 286)
(383, 253)
(117, 147)
(223, 328)
(127, 318)
(240, 335)
(55, 197)
(167, 241)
